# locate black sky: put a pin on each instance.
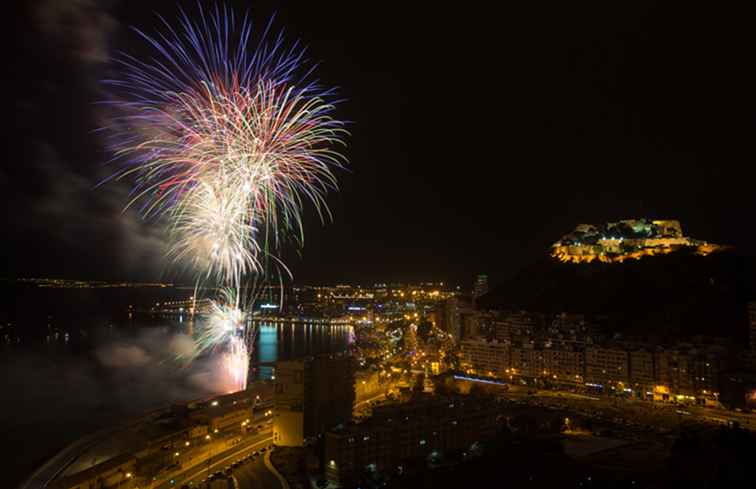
(479, 136)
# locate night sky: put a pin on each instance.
(479, 136)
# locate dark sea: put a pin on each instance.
(73, 361)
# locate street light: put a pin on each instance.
(126, 475)
(209, 459)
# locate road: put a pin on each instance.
(650, 413)
(255, 475)
(371, 399)
(219, 462)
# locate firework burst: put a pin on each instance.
(227, 140)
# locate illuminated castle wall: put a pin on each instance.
(627, 239)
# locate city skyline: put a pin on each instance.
(340, 245)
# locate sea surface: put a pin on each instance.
(73, 361)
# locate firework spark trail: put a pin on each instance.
(228, 327)
(227, 138)
(225, 321)
(226, 142)
(236, 363)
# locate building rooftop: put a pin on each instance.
(92, 472)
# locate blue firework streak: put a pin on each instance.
(226, 136)
(226, 126)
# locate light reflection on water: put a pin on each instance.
(287, 341)
(96, 373)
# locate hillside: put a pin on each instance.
(680, 293)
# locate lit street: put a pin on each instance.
(200, 471)
(319, 245)
(658, 415)
(254, 474)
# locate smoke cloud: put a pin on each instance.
(59, 159)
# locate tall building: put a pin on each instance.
(449, 315)
(642, 373)
(514, 326)
(486, 357)
(312, 396)
(526, 362)
(607, 366)
(481, 286)
(289, 403)
(674, 370)
(403, 432)
(563, 365)
(469, 324)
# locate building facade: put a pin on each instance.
(485, 357)
(117, 472)
(400, 432)
(607, 367)
(312, 396)
(481, 285)
(642, 373)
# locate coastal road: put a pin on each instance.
(255, 475)
(649, 413)
(196, 473)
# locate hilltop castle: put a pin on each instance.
(628, 239)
